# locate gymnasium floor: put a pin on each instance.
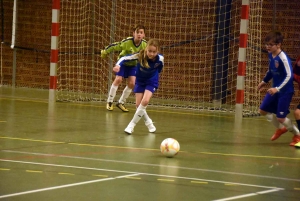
(78, 151)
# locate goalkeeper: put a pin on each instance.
(127, 70)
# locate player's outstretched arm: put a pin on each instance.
(261, 85)
(116, 68)
(103, 54)
(116, 46)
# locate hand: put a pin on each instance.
(103, 54)
(116, 68)
(261, 85)
(272, 91)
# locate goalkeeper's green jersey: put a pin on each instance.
(125, 47)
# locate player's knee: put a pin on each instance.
(297, 114)
(280, 120)
(145, 102)
(117, 81)
(130, 85)
(262, 112)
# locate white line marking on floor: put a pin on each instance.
(65, 186)
(249, 195)
(131, 174)
(140, 173)
(155, 165)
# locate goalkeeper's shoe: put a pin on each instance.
(122, 107)
(129, 128)
(278, 133)
(296, 139)
(150, 126)
(109, 106)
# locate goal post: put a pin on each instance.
(54, 50)
(200, 42)
(240, 84)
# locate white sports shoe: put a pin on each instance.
(150, 126)
(129, 128)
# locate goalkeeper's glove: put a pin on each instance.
(103, 53)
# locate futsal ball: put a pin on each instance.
(169, 147)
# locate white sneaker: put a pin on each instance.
(129, 128)
(150, 126)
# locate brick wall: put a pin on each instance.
(34, 37)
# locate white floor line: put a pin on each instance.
(65, 186)
(130, 174)
(249, 195)
(67, 166)
(140, 173)
(155, 165)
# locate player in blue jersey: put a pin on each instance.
(150, 64)
(127, 46)
(279, 96)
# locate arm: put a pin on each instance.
(116, 46)
(161, 58)
(110, 48)
(124, 59)
(266, 79)
(125, 47)
(261, 85)
(288, 71)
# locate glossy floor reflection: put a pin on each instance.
(79, 151)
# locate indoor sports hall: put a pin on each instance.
(59, 142)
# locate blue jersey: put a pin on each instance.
(146, 75)
(281, 71)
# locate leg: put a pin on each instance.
(148, 121)
(289, 125)
(112, 92)
(125, 95)
(138, 113)
(283, 106)
(297, 115)
(141, 109)
(269, 107)
(145, 101)
(292, 128)
(126, 91)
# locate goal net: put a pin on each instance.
(200, 43)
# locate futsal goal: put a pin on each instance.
(200, 42)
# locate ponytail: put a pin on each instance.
(143, 59)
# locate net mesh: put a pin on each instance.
(200, 43)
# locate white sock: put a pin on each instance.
(140, 111)
(125, 95)
(273, 120)
(146, 117)
(112, 93)
(290, 126)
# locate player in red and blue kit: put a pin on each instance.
(279, 96)
(149, 66)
